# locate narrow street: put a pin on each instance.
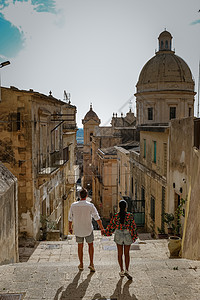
(51, 273)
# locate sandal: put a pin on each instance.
(121, 274)
(80, 268)
(126, 273)
(92, 269)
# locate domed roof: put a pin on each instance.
(165, 33)
(91, 115)
(165, 71)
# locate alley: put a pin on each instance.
(51, 273)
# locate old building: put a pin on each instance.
(124, 184)
(165, 88)
(165, 91)
(38, 137)
(184, 180)
(90, 123)
(8, 217)
(122, 130)
(105, 182)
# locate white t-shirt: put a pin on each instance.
(81, 214)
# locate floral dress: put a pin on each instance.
(129, 224)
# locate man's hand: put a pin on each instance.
(70, 227)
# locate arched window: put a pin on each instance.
(166, 44)
(161, 45)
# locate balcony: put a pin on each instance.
(69, 126)
(73, 175)
(48, 163)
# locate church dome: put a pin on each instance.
(165, 71)
(91, 115)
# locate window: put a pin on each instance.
(91, 135)
(66, 154)
(163, 209)
(135, 190)
(150, 113)
(14, 121)
(190, 111)
(197, 133)
(166, 44)
(152, 212)
(143, 196)
(165, 158)
(154, 151)
(132, 185)
(142, 193)
(172, 113)
(144, 148)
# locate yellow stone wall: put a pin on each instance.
(150, 176)
(33, 144)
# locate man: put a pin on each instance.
(81, 214)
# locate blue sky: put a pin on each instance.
(12, 37)
(93, 49)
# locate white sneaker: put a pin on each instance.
(121, 274)
(126, 273)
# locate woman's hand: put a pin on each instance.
(102, 231)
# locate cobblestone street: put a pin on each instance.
(51, 273)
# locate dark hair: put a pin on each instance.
(122, 212)
(83, 193)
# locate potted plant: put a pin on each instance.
(48, 229)
(168, 219)
(161, 233)
(174, 243)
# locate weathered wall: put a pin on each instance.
(149, 178)
(191, 236)
(180, 144)
(33, 146)
(8, 217)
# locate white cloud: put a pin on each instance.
(27, 19)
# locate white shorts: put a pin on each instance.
(123, 237)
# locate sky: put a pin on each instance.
(93, 49)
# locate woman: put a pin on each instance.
(125, 234)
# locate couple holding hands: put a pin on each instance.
(122, 224)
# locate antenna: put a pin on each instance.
(198, 92)
(67, 97)
(130, 105)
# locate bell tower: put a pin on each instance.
(90, 123)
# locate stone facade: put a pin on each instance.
(105, 182)
(90, 123)
(184, 181)
(148, 175)
(122, 130)
(8, 217)
(165, 89)
(37, 145)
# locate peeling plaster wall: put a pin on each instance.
(191, 238)
(8, 217)
(184, 180)
(181, 142)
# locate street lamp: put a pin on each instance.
(3, 64)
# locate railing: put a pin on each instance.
(137, 207)
(49, 162)
(69, 126)
(138, 210)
